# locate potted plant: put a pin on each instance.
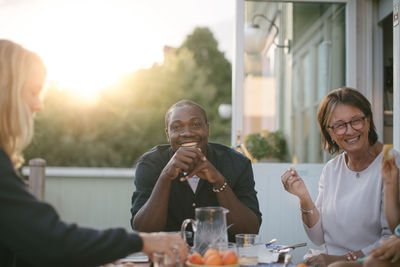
(267, 146)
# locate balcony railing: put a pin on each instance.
(101, 198)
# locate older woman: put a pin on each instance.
(347, 217)
(31, 232)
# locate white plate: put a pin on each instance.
(135, 257)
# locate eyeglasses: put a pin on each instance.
(341, 128)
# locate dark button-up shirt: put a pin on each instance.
(182, 202)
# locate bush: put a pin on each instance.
(267, 145)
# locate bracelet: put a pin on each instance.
(222, 188)
(307, 211)
(351, 256)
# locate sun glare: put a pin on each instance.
(87, 56)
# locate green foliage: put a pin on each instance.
(207, 56)
(128, 118)
(266, 145)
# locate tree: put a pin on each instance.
(128, 118)
(207, 56)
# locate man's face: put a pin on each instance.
(186, 125)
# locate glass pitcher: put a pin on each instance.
(209, 228)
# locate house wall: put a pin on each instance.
(280, 210)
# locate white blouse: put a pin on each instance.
(351, 208)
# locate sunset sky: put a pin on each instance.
(89, 43)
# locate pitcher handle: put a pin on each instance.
(185, 224)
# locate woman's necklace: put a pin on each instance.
(371, 155)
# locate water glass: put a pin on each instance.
(224, 246)
(247, 249)
(161, 260)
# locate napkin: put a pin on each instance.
(265, 255)
(311, 253)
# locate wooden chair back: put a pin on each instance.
(37, 177)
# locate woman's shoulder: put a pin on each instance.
(7, 171)
(335, 162)
(5, 162)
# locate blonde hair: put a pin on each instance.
(16, 120)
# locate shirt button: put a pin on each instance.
(194, 204)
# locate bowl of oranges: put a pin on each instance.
(214, 257)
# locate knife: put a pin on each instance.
(293, 246)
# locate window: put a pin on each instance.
(302, 58)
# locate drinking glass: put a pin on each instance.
(247, 249)
(161, 260)
(223, 246)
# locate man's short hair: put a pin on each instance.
(184, 103)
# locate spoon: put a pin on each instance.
(273, 240)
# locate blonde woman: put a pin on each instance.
(31, 232)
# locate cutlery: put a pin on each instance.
(288, 257)
(293, 246)
(273, 240)
(283, 249)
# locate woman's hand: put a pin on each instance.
(390, 173)
(293, 183)
(389, 250)
(166, 243)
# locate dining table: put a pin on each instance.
(265, 254)
(149, 264)
(132, 263)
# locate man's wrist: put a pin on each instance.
(219, 180)
(221, 188)
(220, 184)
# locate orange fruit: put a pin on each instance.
(213, 259)
(229, 257)
(302, 265)
(209, 252)
(223, 253)
(196, 258)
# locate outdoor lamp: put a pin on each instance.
(257, 39)
(225, 111)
